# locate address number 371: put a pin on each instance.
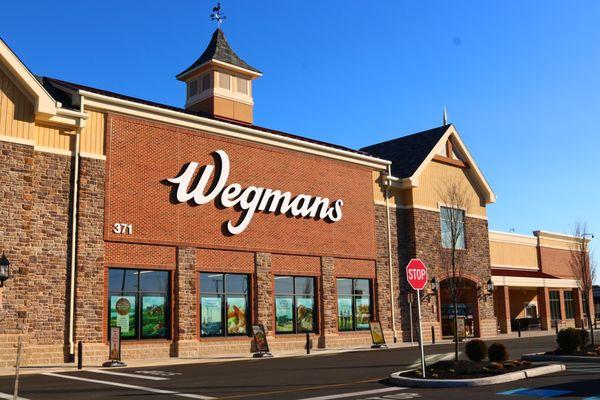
(123, 229)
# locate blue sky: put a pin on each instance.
(520, 80)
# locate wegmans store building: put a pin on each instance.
(184, 226)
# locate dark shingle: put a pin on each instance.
(218, 49)
(407, 153)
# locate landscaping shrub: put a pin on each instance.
(569, 340)
(476, 350)
(585, 337)
(497, 353)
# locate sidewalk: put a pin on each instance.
(162, 362)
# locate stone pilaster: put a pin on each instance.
(185, 302)
(264, 290)
(328, 300)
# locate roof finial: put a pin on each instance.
(445, 117)
(217, 16)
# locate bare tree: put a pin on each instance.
(456, 199)
(583, 266)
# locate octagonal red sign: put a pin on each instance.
(416, 274)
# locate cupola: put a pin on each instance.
(219, 82)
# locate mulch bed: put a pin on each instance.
(464, 369)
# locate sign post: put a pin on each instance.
(416, 275)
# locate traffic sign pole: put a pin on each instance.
(416, 275)
(421, 334)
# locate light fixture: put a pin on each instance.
(490, 286)
(434, 285)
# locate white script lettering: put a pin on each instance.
(251, 199)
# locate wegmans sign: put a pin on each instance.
(251, 199)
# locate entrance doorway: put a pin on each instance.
(466, 308)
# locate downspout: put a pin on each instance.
(387, 182)
(73, 252)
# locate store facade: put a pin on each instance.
(185, 226)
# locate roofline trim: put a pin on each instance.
(225, 129)
(187, 74)
(42, 101)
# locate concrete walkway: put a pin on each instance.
(159, 362)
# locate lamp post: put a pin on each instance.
(4, 269)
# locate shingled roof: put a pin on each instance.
(408, 152)
(218, 49)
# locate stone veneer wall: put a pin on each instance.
(34, 229)
(475, 265)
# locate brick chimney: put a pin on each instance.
(219, 83)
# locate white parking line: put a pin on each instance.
(10, 397)
(432, 358)
(134, 387)
(354, 394)
(151, 378)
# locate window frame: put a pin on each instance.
(569, 305)
(294, 295)
(224, 295)
(353, 297)
(459, 245)
(139, 297)
(556, 302)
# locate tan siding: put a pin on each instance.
(513, 255)
(54, 138)
(16, 111)
(397, 197)
(92, 135)
(432, 180)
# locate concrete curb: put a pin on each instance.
(398, 380)
(547, 357)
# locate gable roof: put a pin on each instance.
(43, 103)
(407, 153)
(218, 49)
(411, 154)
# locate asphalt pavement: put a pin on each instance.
(349, 375)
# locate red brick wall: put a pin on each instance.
(295, 265)
(141, 155)
(224, 261)
(140, 255)
(556, 262)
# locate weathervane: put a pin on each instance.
(217, 16)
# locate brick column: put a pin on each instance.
(185, 293)
(544, 308)
(185, 302)
(503, 316)
(263, 286)
(328, 300)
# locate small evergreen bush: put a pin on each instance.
(476, 350)
(569, 340)
(497, 353)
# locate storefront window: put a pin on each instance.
(354, 304)
(223, 304)
(453, 227)
(569, 306)
(139, 303)
(294, 304)
(555, 305)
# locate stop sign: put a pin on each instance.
(416, 274)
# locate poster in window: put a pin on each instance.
(304, 312)
(284, 314)
(212, 316)
(345, 314)
(153, 317)
(236, 315)
(363, 312)
(122, 314)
